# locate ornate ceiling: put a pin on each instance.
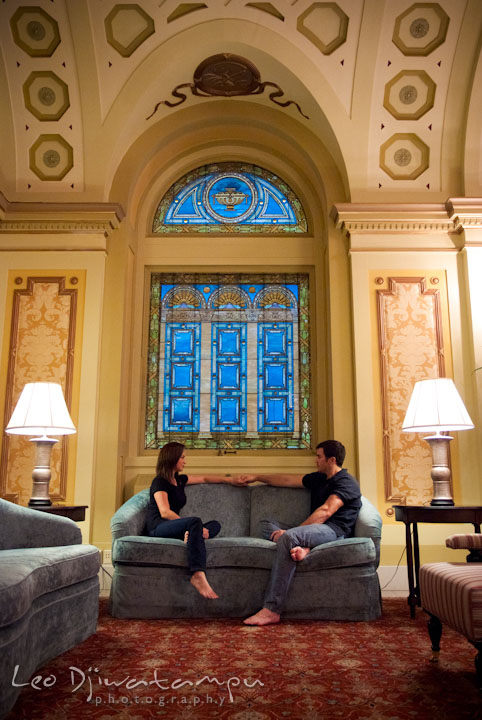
(397, 84)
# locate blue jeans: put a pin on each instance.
(196, 549)
(284, 566)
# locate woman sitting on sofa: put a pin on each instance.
(167, 497)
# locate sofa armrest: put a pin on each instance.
(468, 541)
(22, 527)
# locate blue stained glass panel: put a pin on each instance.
(183, 342)
(181, 411)
(231, 197)
(275, 411)
(228, 342)
(229, 411)
(228, 377)
(182, 377)
(275, 377)
(275, 342)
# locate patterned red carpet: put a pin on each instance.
(223, 670)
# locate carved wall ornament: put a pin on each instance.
(227, 75)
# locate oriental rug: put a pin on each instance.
(222, 670)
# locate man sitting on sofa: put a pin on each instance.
(335, 503)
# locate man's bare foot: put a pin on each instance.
(263, 617)
(199, 581)
(186, 535)
(299, 553)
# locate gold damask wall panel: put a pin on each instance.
(42, 346)
(411, 348)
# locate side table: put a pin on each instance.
(411, 515)
(74, 512)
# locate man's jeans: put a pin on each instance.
(284, 567)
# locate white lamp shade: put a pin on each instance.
(40, 410)
(436, 405)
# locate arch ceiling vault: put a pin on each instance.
(388, 88)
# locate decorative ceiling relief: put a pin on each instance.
(267, 7)
(404, 156)
(421, 29)
(409, 95)
(46, 95)
(227, 75)
(185, 9)
(35, 31)
(325, 25)
(127, 26)
(51, 157)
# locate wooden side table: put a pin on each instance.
(411, 515)
(74, 512)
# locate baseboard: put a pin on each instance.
(393, 579)
(105, 577)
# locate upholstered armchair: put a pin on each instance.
(451, 593)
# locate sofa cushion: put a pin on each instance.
(228, 504)
(339, 553)
(26, 574)
(221, 552)
(242, 552)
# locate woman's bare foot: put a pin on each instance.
(299, 553)
(263, 617)
(199, 581)
(186, 535)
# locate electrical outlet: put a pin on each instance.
(107, 556)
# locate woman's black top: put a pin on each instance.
(175, 495)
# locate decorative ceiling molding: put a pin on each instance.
(404, 156)
(51, 157)
(421, 29)
(46, 95)
(409, 95)
(35, 31)
(127, 26)
(325, 25)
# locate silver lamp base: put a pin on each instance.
(441, 475)
(41, 473)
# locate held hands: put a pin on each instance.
(243, 480)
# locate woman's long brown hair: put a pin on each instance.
(167, 460)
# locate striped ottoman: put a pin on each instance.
(451, 593)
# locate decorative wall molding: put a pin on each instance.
(411, 347)
(59, 217)
(42, 344)
(449, 218)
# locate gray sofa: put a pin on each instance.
(336, 581)
(49, 593)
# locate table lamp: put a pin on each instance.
(40, 410)
(436, 406)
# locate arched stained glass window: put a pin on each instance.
(229, 361)
(230, 198)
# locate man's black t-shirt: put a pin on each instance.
(175, 495)
(346, 488)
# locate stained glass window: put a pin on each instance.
(230, 197)
(229, 361)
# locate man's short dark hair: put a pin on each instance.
(333, 448)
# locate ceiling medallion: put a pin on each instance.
(227, 75)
